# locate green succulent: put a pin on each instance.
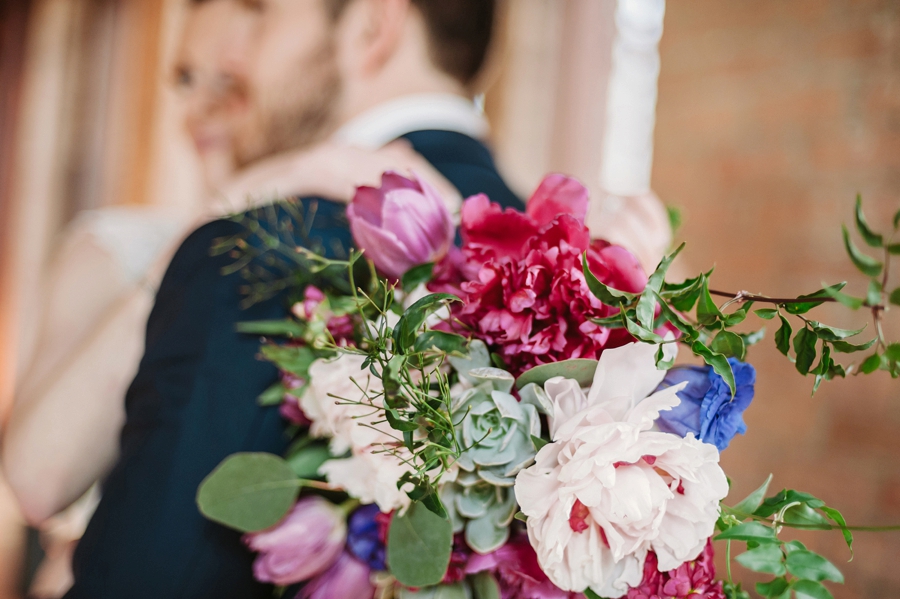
(497, 433)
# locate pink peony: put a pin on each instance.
(694, 580)
(304, 544)
(401, 224)
(516, 568)
(609, 489)
(347, 578)
(524, 287)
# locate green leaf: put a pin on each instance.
(579, 369)
(894, 248)
(538, 442)
(484, 586)
(848, 348)
(748, 531)
(870, 364)
(672, 316)
(646, 306)
(639, 332)
(305, 463)
(272, 396)
(417, 275)
(783, 336)
(729, 344)
(828, 333)
(812, 566)
(784, 498)
(808, 589)
(873, 295)
(674, 215)
(717, 361)
(661, 362)
(838, 518)
(751, 502)
(776, 589)
(610, 322)
(449, 343)
(418, 546)
(805, 348)
(766, 558)
(895, 297)
(824, 365)
(804, 515)
(707, 310)
(291, 358)
(406, 330)
(892, 352)
(272, 328)
(854, 303)
(873, 239)
(739, 315)
(607, 295)
(248, 491)
(866, 264)
(591, 594)
(683, 295)
(804, 307)
(766, 313)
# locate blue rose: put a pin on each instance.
(364, 538)
(707, 408)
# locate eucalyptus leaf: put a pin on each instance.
(418, 546)
(866, 264)
(872, 239)
(248, 491)
(607, 295)
(579, 369)
(484, 586)
(305, 463)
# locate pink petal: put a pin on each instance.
(384, 249)
(558, 194)
(366, 205)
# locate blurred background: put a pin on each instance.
(770, 117)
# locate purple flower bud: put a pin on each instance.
(364, 539)
(707, 409)
(304, 544)
(403, 223)
(348, 578)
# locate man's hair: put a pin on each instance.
(459, 32)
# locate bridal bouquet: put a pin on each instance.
(504, 418)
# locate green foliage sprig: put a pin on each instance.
(706, 327)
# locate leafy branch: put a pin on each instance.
(705, 327)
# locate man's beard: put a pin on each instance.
(301, 114)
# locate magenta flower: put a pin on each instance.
(403, 223)
(304, 544)
(515, 566)
(695, 579)
(347, 578)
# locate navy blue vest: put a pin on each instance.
(193, 402)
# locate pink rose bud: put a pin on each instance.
(402, 224)
(304, 544)
(348, 578)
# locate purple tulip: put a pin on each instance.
(402, 224)
(304, 544)
(348, 578)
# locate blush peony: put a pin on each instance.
(609, 488)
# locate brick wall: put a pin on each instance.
(772, 115)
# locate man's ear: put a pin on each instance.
(376, 28)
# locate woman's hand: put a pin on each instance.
(328, 170)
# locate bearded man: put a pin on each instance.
(362, 72)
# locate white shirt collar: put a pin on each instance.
(419, 112)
